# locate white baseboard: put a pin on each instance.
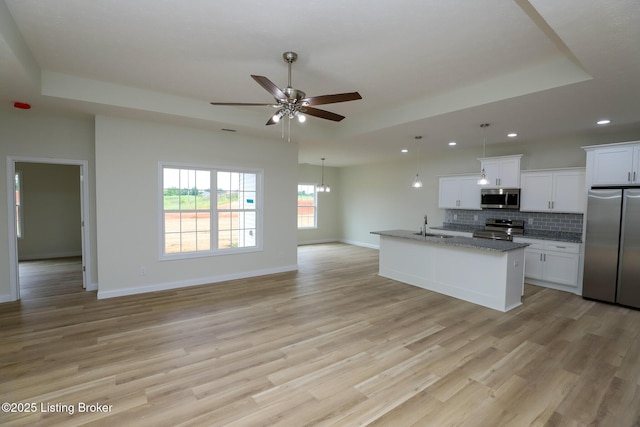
(556, 286)
(316, 242)
(53, 255)
(187, 283)
(6, 298)
(364, 245)
(348, 242)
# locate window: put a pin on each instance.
(194, 226)
(236, 209)
(307, 207)
(18, 189)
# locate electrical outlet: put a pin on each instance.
(475, 217)
(455, 217)
(530, 220)
(143, 270)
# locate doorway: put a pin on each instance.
(40, 187)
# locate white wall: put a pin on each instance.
(363, 198)
(51, 211)
(127, 156)
(379, 196)
(33, 134)
(329, 226)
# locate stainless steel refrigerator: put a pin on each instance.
(612, 246)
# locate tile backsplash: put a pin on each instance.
(571, 223)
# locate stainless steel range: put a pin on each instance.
(501, 229)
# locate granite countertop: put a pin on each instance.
(467, 242)
(561, 236)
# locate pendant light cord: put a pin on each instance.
(484, 138)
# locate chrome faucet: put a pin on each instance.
(424, 228)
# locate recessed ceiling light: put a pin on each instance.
(404, 150)
(603, 122)
(452, 143)
(512, 135)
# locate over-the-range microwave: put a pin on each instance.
(500, 198)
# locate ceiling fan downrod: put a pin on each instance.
(290, 58)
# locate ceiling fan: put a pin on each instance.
(292, 102)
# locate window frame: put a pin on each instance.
(213, 250)
(315, 206)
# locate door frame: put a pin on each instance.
(85, 226)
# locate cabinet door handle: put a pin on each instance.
(549, 204)
(553, 204)
(545, 257)
(629, 176)
(540, 257)
(634, 176)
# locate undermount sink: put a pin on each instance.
(441, 236)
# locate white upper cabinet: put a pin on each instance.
(449, 192)
(614, 164)
(459, 192)
(502, 172)
(560, 190)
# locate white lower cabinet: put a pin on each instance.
(551, 263)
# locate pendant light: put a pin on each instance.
(323, 188)
(416, 181)
(483, 176)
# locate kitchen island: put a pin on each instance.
(482, 271)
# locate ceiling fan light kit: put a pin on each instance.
(293, 103)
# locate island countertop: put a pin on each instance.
(468, 242)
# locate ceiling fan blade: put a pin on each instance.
(331, 99)
(242, 103)
(270, 87)
(271, 121)
(323, 114)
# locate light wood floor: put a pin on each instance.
(332, 344)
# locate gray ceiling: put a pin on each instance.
(544, 69)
